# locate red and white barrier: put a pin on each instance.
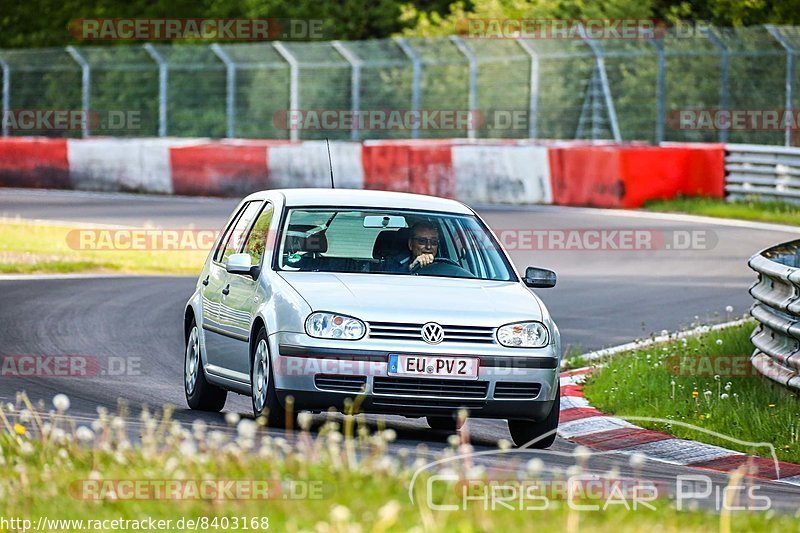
(306, 164)
(139, 165)
(34, 162)
(502, 174)
(486, 171)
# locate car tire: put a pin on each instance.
(200, 394)
(262, 385)
(524, 431)
(443, 423)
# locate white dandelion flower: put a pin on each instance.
(61, 402)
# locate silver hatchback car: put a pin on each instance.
(376, 301)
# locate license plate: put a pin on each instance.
(433, 366)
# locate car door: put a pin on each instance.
(217, 321)
(244, 297)
(211, 285)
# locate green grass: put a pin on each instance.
(751, 209)
(28, 247)
(357, 484)
(680, 380)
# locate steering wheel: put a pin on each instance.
(445, 260)
(439, 260)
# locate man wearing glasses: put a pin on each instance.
(423, 245)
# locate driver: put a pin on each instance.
(423, 245)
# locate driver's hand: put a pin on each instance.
(422, 260)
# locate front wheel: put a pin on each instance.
(262, 385)
(200, 394)
(524, 431)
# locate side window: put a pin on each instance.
(235, 237)
(257, 240)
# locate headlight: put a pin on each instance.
(332, 326)
(523, 335)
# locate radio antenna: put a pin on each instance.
(330, 161)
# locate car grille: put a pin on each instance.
(336, 383)
(510, 390)
(439, 388)
(426, 403)
(413, 332)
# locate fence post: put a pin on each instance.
(86, 85)
(230, 89)
(163, 74)
(355, 84)
(6, 95)
(294, 80)
(416, 81)
(472, 98)
(600, 65)
(724, 68)
(661, 105)
(790, 53)
(533, 88)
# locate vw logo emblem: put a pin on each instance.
(432, 333)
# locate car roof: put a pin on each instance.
(364, 198)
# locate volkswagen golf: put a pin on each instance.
(379, 302)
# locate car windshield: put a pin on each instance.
(385, 241)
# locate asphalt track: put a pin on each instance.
(603, 297)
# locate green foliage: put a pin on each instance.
(746, 209)
(705, 381)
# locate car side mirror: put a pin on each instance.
(540, 278)
(241, 264)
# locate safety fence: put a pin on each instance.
(777, 309)
(689, 84)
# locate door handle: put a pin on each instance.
(205, 281)
(227, 289)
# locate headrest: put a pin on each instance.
(317, 243)
(390, 242)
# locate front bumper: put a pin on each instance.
(320, 374)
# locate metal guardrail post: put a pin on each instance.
(791, 51)
(163, 74)
(472, 97)
(230, 89)
(601, 69)
(294, 81)
(533, 88)
(6, 104)
(724, 71)
(661, 92)
(86, 85)
(355, 84)
(416, 80)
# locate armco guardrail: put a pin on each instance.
(777, 309)
(770, 172)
